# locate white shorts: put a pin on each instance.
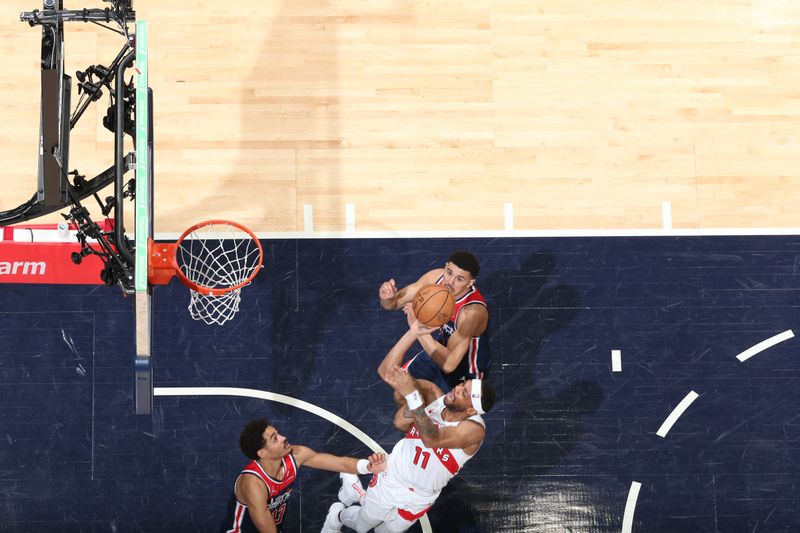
(389, 499)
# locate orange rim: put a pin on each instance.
(210, 291)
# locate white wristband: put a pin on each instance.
(414, 400)
(362, 466)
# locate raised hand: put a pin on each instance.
(399, 380)
(414, 324)
(388, 290)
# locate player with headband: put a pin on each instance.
(442, 433)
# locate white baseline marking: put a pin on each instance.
(547, 233)
(308, 218)
(630, 507)
(676, 413)
(763, 345)
(616, 361)
(508, 215)
(350, 217)
(666, 215)
(288, 400)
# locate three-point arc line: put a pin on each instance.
(676, 413)
(763, 345)
(630, 507)
(633, 493)
(288, 400)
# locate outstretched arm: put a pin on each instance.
(335, 463)
(395, 355)
(472, 321)
(391, 298)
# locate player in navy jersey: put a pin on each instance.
(461, 350)
(261, 491)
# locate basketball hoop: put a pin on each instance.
(215, 259)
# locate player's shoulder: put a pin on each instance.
(432, 276)
(475, 313)
(473, 426)
(300, 454)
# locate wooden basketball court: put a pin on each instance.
(434, 115)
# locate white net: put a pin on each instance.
(214, 309)
(217, 256)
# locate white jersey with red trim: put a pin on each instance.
(427, 470)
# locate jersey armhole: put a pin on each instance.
(251, 473)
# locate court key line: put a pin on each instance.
(765, 344)
(288, 400)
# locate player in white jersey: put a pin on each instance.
(442, 433)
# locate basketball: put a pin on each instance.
(433, 305)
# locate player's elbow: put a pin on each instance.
(431, 441)
(450, 366)
(402, 425)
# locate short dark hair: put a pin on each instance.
(465, 261)
(252, 437)
(488, 396)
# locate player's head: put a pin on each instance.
(259, 440)
(465, 261)
(472, 397)
(460, 272)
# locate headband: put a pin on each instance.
(476, 396)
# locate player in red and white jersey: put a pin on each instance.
(411, 457)
(461, 351)
(262, 490)
(442, 433)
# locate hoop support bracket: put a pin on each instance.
(162, 267)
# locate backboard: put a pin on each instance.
(143, 216)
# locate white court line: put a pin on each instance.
(288, 400)
(676, 413)
(763, 345)
(508, 216)
(493, 233)
(666, 215)
(616, 360)
(308, 218)
(350, 217)
(630, 507)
